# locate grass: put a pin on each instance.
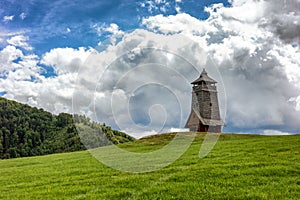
(239, 167)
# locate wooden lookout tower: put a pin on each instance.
(205, 114)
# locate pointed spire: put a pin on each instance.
(204, 78)
(203, 72)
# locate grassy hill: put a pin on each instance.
(239, 167)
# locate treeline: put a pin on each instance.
(29, 131)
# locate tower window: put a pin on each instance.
(210, 104)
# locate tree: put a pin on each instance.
(28, 131)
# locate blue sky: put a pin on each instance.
(46, 23)
(253, 45)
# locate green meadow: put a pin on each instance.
(238, 167)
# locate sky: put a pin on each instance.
(129, 64)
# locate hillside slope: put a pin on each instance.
(29, 131)
(239, 167)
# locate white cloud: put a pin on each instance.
(7, 56)
(8, 18)
(53, 94)
(65, 60)
(4, 34)
(274, 132)
(180, 23)
(178, 9)
(23, 80)
(22, 16)
(139, 135)
(179, 130)
(19, 73)
(112, 29)
(156, 5)
(16, 66)
(283, 19)
(247, 12)
(20, 41)
(104, 28)
(280, 17)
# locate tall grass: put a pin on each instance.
(239, 167)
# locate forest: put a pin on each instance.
(30, 131)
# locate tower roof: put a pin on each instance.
(204, 78)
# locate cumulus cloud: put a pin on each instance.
(283, 18)
(18, 72)
(65, 60)
(21, 77)
(20, 41)
(180, 23)
(114, 29)
(7, 56)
